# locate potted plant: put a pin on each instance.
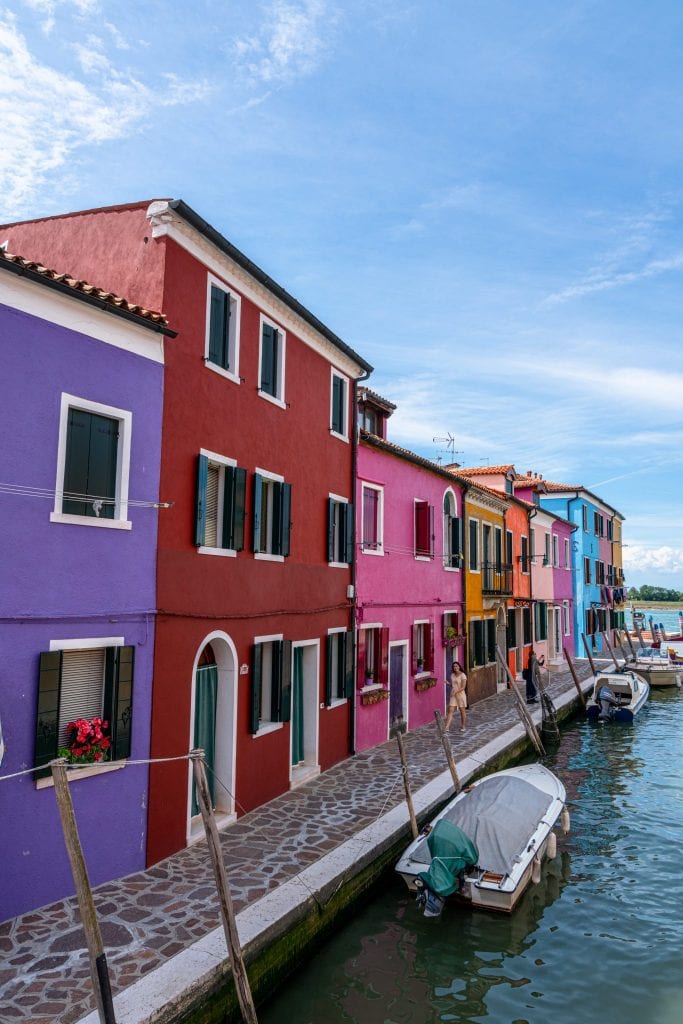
(420, 664)
(86, 741)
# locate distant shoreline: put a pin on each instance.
(638, 605)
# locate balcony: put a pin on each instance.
(496, 579)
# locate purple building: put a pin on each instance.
(83, 375)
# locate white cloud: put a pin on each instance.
(291, 44)
(47, 115)
(662, 559)
(49, 7)
(600, 281)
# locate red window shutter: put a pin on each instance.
(414, 650)
(429, 648)
(422, 530)
(384, 656)
(361, 657)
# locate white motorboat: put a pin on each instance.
(657, 666)
(488, 842)
(617, 696)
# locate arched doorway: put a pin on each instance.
(213, 727)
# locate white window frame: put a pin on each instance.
(379, 550)
(278, 399)
(339, 565)
(556, 551)
(420, 558)
(265, 724)
(470, 520)
(220, 461)
(567, 559)
(267, 556)
(337, 701)
(447, 552)
(566, 619)
(344, 435)
(372, 686)
(234, 335)
(421, 643)
(125, 419)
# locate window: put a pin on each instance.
(546, 549)
(339, 531)
(509, 488)
(373, 656)
(450, 623)
(599, 572)
(541, 620)
(566, 553)
(271, 682)
(370, 420)
(220, 508)
(474, 545)
(272, 508)
(452, 544)
(372, 524)
(585, 517)
(610, 529)
(222, 329)
(512, 629)
(339, 402)
(526, 625)
(508, 547)
(565, 618)
(482, 642)
(93, 464)
(339, 674)
(524, 557)
(424, 529)
(272, 362)
(532, 544)
(586, 570)
(84, 679)
(423, 647)
(599, 523)
(556, 550)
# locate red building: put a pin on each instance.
(253, 653)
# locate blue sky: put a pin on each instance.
(483, 198)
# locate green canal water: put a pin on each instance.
(600, 939)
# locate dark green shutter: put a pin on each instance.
(285, 681)
(200, 508)
(234, 498)
(285, 514)
(512, 629)
(256, 669)
(269, 340)
(47, 715)
(332, 507)
(118, 699)
(90, 463)
(219, 328)
(337, 404)
(490, 640)
(256, 513)
(349, 523)
(348, 664)
(329, 648)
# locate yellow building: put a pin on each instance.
(488, 585)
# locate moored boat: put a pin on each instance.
(488, 842)
(618, 696)
(657, 667)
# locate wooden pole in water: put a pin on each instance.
(624, 653)
(630, 643)
(609, 648)
(527, 720)
(406, 785)
(97, 958)
(446, 741)
(577, 684)
(213, 842)
(590, 656)
(641, 639)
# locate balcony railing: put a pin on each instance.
(496, 579)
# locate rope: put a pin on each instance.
(97, 764)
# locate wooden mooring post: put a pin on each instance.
(609, 647)
(527, 720)
(589, 655)
(99, 972)
(446, 741)
(406, 785)
(624, 652)
(213, 842)
(630, 643)
(639, 634)
(577, 684)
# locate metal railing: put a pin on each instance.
(496, 578)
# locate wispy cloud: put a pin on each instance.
(600, 282)
(48, 115)
(291, 43)
(49, 7)
(661, 559)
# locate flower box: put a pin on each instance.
(454, 641)
(426, 683)
(374, 697)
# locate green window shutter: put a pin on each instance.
(490, 640)
(256, 513)
(512, 629)
(329, 650)
(348, 664)
(337, 404)
(200, 508)
(256, 670)
(269, 359)
(234, 499)
(332, 508)
(90, 463)
(285, 515)
(118, 699)
(219, 328)
(348, 524)
(47, 716)
(285, 682)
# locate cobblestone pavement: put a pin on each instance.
(150, 916)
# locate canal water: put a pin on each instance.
(600, 939)
(670, 618)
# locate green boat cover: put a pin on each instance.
(452, 852)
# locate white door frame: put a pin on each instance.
(404, 683)
(311, 701)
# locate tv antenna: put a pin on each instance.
(448, 443)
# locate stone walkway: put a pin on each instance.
(148, 917)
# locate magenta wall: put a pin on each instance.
(395, 589)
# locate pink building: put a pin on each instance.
(409, 581)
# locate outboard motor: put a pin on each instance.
(428, 901)
(607, 701)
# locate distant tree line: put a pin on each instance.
(646, 593)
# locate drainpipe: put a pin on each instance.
(354, 475)
(579, 630)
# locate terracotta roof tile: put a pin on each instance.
(485, 470)
(82, 287)
(364, 392)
